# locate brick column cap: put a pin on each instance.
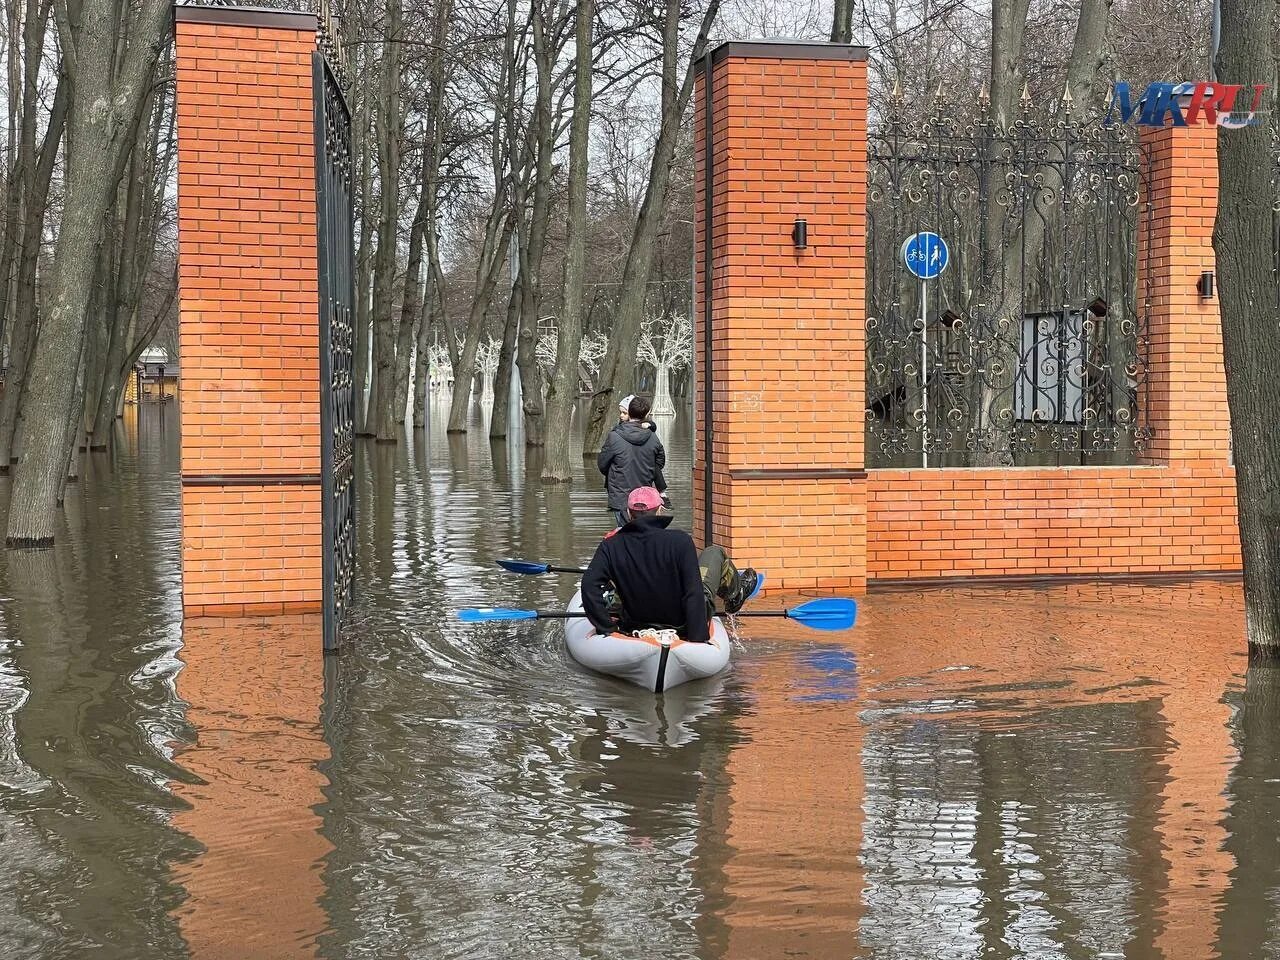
(784, 50)
(266, 17)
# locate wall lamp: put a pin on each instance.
(1098, 307)
(1205, 285)
(800, 234)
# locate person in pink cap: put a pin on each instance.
(658, 576)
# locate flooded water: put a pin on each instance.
(1084, 771)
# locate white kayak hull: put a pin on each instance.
(640, 660)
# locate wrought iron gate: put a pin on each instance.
(1031, 347)
(334, 224)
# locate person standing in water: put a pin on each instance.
(632, 457)
(624, 416)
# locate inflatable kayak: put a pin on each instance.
(645, 661)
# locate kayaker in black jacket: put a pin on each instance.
(658, 576)
(632, 457)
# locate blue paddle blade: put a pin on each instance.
(523, 566)
(490, 614)
(829, 613)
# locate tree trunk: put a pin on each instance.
(563, 390)
(37, 173)
(148, 182)
(381, 421)
(99, 320)
(842, 22)
(411, 303)
(104, 107)
(75, 429)
(499, 420)
(1250, 303)
(422, 373)
(529, 277)
(618, 367)
(491, 260)
(116, 310)
(364, 281)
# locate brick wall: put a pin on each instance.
(789, 141)
(249, 336)
(1038, 522)
(1176, 513)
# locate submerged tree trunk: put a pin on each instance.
(37, 174)
(563, 390)
(364, 278)
(499, 420)
(381, 420)
(617, 370)
(491, 260)
(1250, 302)
(71, 461)
(104, 111)
(533, 245)
(422, 373)
(411, 302)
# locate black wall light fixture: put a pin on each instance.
(800, 234)
(1098, 307)
(1205, 285)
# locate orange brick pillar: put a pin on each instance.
(779, 476)
(1186, 392)
(248, 327)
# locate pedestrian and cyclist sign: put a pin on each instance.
(925, 254)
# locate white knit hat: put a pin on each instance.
(625, 403)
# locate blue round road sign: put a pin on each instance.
(925, 254)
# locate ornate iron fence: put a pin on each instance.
(1029, 348)
(337, 297)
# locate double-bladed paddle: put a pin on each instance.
(530, 567)
(828, 613)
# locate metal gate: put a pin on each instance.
(1030, 348)
(334, 226)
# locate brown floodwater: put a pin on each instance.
(1081, 771)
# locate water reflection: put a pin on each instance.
(253, 690)
(1082, 771)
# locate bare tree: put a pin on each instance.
(563, 389)
(389, 127)
(110, 79)
(618, 367)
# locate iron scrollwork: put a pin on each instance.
(334, 191)
(1030, 348)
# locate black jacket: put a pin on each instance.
(655, 571)
(632, 457)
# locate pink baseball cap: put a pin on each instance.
(644, 498)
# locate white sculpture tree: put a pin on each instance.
(590, 354)
(439, 366)
(666, 344)
(487, 355)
